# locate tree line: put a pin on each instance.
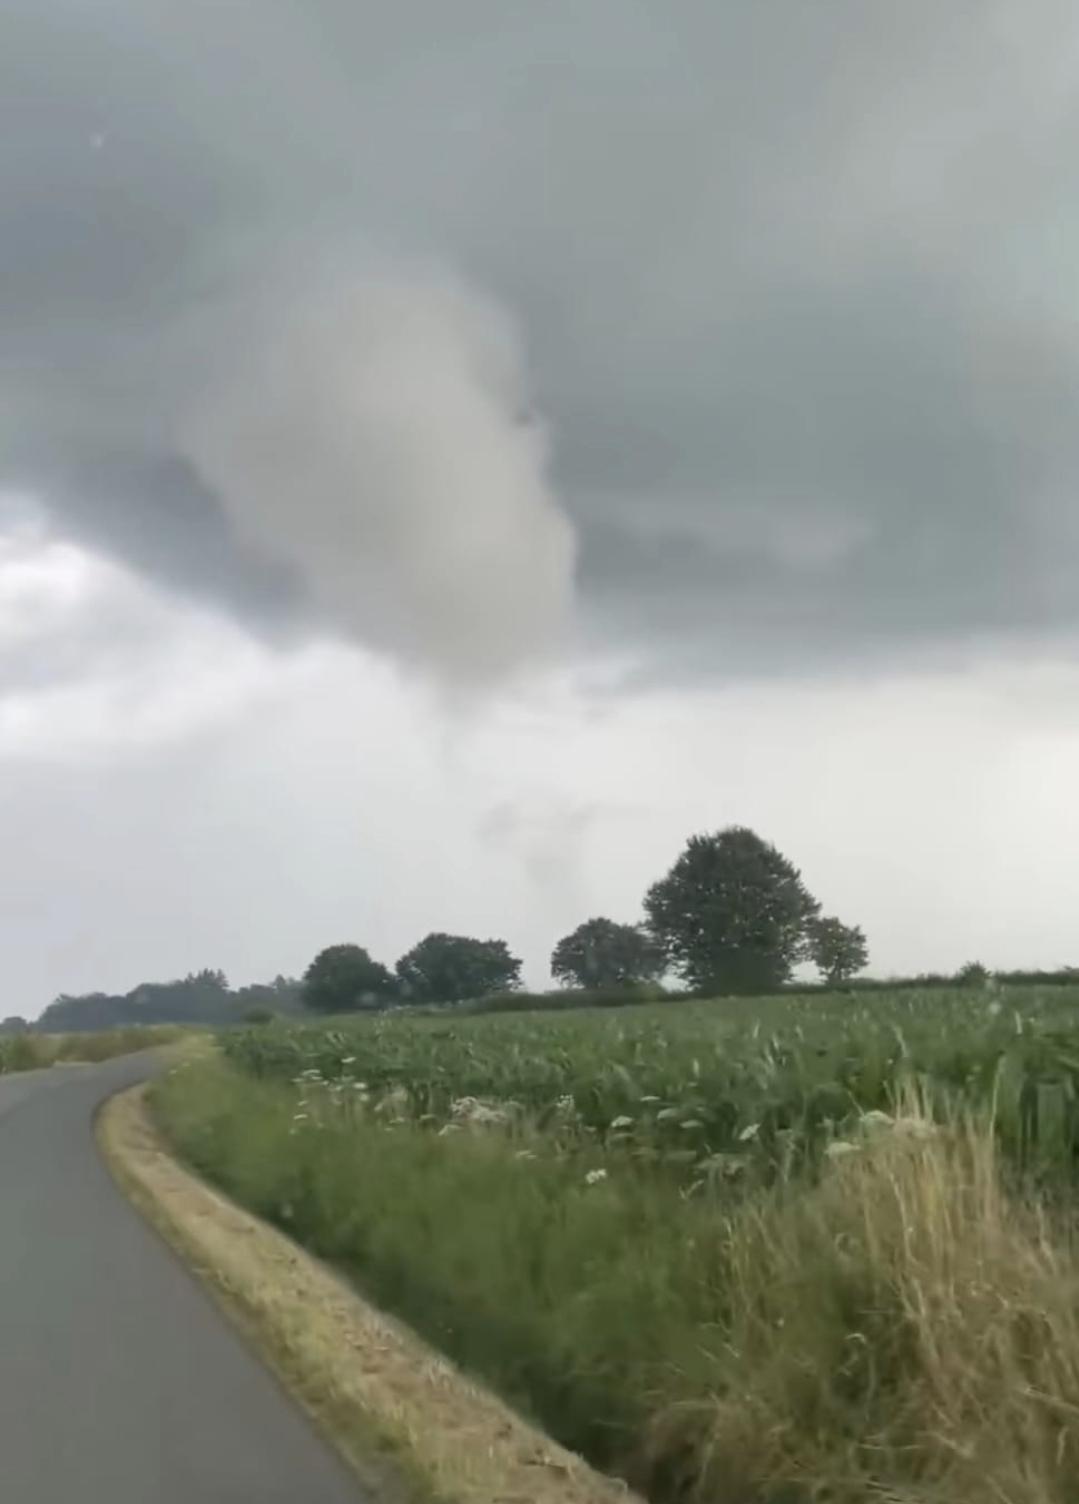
(733, 915)
(203, 999)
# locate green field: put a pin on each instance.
(796, 1243)
(755, 1082)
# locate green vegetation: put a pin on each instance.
(838, 950)
(344, 978)
(792, 1243)
(761, 1083)
(30, 1051)
(723, 1249)
(732, 915)
(601, 953)
(201, 1000)
(450, 968)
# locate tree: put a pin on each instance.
(732, 913)
(344, 978)
(202, 998)
(283, 996)
(838, 950)
(602, 953)
(973, 974)
(451, 968)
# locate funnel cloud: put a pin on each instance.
(374, 439)
(731, 338)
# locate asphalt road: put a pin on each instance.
(120, 1382)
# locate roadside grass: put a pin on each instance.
(902, 1325)
(413, 1428)
(31, 1052)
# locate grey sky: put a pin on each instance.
(729, 347)
(792, 289)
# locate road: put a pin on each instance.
(120, 1382)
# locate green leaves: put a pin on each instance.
(601, 953)
(765, 1082)
(837, 950)
(732, 914)
(344, 978)
(452, 968)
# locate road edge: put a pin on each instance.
(411, 1427)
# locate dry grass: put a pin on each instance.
(907, 1330)
(33, 1051)
(902, 1327)
(401, 1415)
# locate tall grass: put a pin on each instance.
(31, 1051)
(900, 1326)
(906, 1329)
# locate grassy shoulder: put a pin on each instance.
(33, 1052)
(412, 1427)
(904, 1327)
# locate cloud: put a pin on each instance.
(375, 439)
(786, 293)
(98, 667)
(548, 837)
(180, 795)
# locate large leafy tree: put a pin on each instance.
(452, 968)
(732, 914)
(602, 953)
(838, 950)
(344, 978)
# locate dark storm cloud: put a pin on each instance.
(794, 285)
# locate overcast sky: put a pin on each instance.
(449, 453)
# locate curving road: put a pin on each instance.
(120, 1383)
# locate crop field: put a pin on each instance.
(711, 1086)
(787, 1248)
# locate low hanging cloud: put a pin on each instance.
(374, 438)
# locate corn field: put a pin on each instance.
(712, 1087)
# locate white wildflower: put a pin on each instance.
(839, 1147)
(473, 1110)
(622, 1122)
(595, 1176)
